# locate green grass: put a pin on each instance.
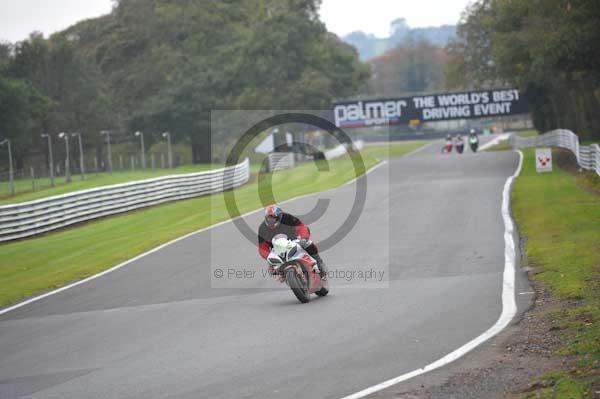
(24, 191)
(560, 222)
(392, 150)
(528, 133)
(559, 385)
(33, 266)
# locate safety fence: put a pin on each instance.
(47, 214)
(288, 160)
(588, 157)
(281, 161)
(37, 176)
(342, 149)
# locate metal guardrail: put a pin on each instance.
(47, 214)
(588, 157)
(281, 161)
(342, 150)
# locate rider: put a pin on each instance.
(278, 222)
(449, 143)
(473, 136)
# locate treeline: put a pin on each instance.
(48, 87)
(412, 67)
(163, 65)
(402, 35)
(550, 49)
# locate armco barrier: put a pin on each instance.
(342, 150)
(588, 157)
(281, 161)
(47, 214)
(286, 160)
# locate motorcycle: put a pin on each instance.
(293, 265)
(447, 148)
(460, 146)
(474, 143)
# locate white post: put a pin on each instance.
(51, 160)
(81, 160)
(107, 134)
(143, 159)
(167, 135)
(10, 166)
(65, 136)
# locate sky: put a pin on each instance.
(375, 16)
(18, 18)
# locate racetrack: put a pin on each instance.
(157, 328)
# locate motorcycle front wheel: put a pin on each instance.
(298, 285)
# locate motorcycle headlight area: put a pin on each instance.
(281, 246)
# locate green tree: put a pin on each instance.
(412, 68)
(547, 48)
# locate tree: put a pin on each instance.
(163, 65)
(412, 68)
(547, 48)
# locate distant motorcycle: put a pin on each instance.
(447, 148)
(460, 146)
(291, 264)
(474, 143)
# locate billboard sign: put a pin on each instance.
(430, 108)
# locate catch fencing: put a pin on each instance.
(35, 176)
(36, 217)
(588, 157)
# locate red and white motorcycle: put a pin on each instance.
(447, 148)
(294, 266)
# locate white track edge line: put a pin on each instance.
(509, 306)
(422, 148)
(162, 246)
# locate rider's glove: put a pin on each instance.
(304, 243)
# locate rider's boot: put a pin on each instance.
(321, 265)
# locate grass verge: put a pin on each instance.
(559, 219)
(37, 265)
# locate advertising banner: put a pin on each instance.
(430, 108)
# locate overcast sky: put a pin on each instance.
(20, 17)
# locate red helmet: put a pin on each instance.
(273, 215)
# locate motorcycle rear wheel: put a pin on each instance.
(298, 285)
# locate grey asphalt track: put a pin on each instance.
(158, 328)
